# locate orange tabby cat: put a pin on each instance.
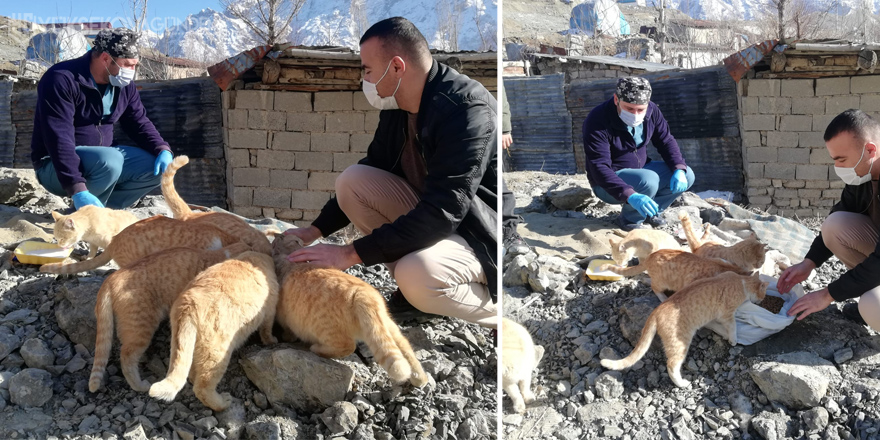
(214, 316)
(679, 318)
(227, 222)
(332, 310)
(672, 270)
(748, 254)
(96, 226)
(140, 296)
(640, 243)
(146, 237)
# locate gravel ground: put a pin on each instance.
(823, 374)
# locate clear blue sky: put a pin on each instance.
(159, 12)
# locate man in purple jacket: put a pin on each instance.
(79, 100)
(615, 139)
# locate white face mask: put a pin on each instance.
(631, 119)
(849, 175)
(124, 77)
(386, 103)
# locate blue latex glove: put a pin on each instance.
(84, 198)
(644, 204)
(679, 182)
(162, 162)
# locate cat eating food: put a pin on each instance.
(214, 315)
(331, 310)
(140, 297)
(640, 243)
(96, 226)
(678, 319)
(748, 254)
(520, 356)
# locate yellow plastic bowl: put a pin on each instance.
(37, 252)
(594, 273)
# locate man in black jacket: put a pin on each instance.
(851, 231)
(425, 195)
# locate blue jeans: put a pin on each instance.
(117, 176)
(652, 181)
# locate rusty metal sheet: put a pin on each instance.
(741, 62)
(232, 68)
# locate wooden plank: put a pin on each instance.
(305, 88)
(318, 81)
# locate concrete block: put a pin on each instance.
(796, 123)
(782, 139)
(227, 99)
(812, 172)
(242, 196)
(250, 177)
(811, 139)
(774, 106)
(870, 103)
(759, 122)
(820, 156)
(238, 158)
(248, 211)
(237, 118)
(834, 105)
(762, 87)
(371, 121)
(751, 192)
(780, 170)
(820, 122)
(865, 84)
(360, 102)
(348, 122)
(760, 200)
(359, 142)
(786, 193)
(762, 154)
(759, 183)
(750, 105)
(289, 214)
(279, 160)
(832, 194)
(293, 101)
(808, 106)
(314, 161)
(272, 197)
(255, 99)
(248, 139)
(797, 88)
(755, 170)
(341, 161)
(307, 200)
(322, 181)
(330, 142)
(794, 184)
(794, 155)
(832, 86)
(289, 179)
(333, 101)
(302, 223)
(291, 141)
(311, 214)
(810, 193)
(309, 122)
(804, 213)
(836, 183)
(266, 120)
(268, 212)
(817, 184)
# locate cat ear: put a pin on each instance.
(69, 223)
(56, 215)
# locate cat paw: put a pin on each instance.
(528, 396)
(95, 384)
(681, 383)
(224, 403)
(270, 340)
(142, 386)
(163, 391)
(519, 406)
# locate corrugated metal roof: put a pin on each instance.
(541, 124)
(7, 130)
(614, 61)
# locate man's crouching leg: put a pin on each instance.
(447, 279)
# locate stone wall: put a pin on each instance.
(576, 70)
(788, 170)
(284, 150)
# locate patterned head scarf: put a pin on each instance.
(634, 90)
(118, 42)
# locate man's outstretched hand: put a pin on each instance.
(340, 257)
(308, 234)
(811, 303)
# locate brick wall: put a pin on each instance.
(575, 70)
(788, 170)
(284, 150)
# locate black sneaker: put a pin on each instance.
(626, 226)
(401, 310)
(655, 221)
(851, 311)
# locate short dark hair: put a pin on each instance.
(401, 36)
(854, 121)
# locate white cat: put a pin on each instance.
(519, 357)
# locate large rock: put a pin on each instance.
(475, 427)
(298, 378)
(8, 343)
(551, 274)
(797, 380)
(273, 428)
(633, 315)
(609, 385)
(17, 186)
(815, 419)
(23, 227)
(570, 195)
(36, 354)
(772, 426)
(517, 272)
(31, 387)
(75, 310)
(593, 245)
(341, 418)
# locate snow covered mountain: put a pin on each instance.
(752, 9)
(212, 36)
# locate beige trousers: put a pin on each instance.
(852, 237)
(443, 279)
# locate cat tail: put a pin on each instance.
(378, 330)
(689, 232)
(183, 335)
(625, 271)
(641, 347)
(80, 266)
(104, 338)
(179, 208)
(418, 377)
